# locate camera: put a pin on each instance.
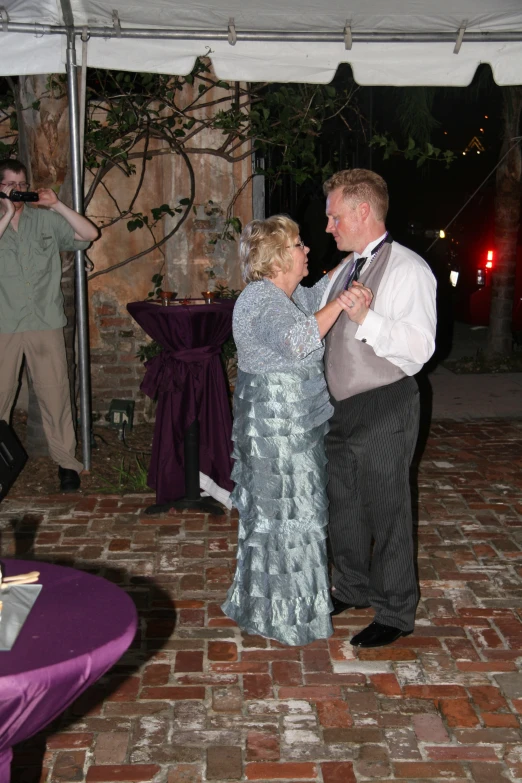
(20, 195)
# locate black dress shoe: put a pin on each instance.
(338, 606)
(377, 635)
(69, 480)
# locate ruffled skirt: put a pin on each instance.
(280, 589)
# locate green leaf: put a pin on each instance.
(157, 212)
(184, 201)
(235, 223)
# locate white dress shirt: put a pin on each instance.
(401, 327)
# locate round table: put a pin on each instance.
(78, 627)
(188, 380)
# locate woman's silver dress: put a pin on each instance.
(281, 412)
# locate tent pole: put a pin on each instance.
(82, 313)
(309, 36)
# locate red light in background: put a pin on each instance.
(490, 255)
(489, 264)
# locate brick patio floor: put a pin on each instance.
(194, 700)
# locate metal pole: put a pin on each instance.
(191, 451)
(308, 36)
(82, 313)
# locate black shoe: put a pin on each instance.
(377, 635)
(69, 480)
(340, 606)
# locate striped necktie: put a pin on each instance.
(356, 271)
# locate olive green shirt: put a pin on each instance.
(31, 270)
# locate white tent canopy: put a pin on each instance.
(387, 42)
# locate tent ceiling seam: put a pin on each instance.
(68, 16)
(5, 18)
(116, 23)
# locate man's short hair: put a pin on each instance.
(11, 164)
(360, 185)
(264, 247)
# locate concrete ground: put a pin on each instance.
(195, 700)
(468, 341)
(466, 397)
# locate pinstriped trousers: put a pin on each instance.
(369, 447)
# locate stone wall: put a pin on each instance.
(183, 260)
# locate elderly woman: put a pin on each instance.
(281, 412)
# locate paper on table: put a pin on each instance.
(17, 603)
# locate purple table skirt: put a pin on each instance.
(188, 381)
(79, 626)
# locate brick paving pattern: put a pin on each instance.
(194, 700)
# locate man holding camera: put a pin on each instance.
(31, 306)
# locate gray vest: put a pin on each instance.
(352, 366)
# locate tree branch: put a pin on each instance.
(144, 166)
(167, 236)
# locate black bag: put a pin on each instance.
(12, 458)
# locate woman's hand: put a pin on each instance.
(356, 302)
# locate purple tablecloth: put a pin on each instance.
(188, 380)
(79, 626)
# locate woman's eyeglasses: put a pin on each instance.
(300, 244)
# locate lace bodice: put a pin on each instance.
(273, 332)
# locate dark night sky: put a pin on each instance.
(430, 195)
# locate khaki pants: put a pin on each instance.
(47, 364)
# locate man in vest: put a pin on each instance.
(372, 352)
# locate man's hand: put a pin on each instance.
(84, 230)
(356, 302)
(47, 198)
(6, 205)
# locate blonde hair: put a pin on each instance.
(263, 247)
(361, 185)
